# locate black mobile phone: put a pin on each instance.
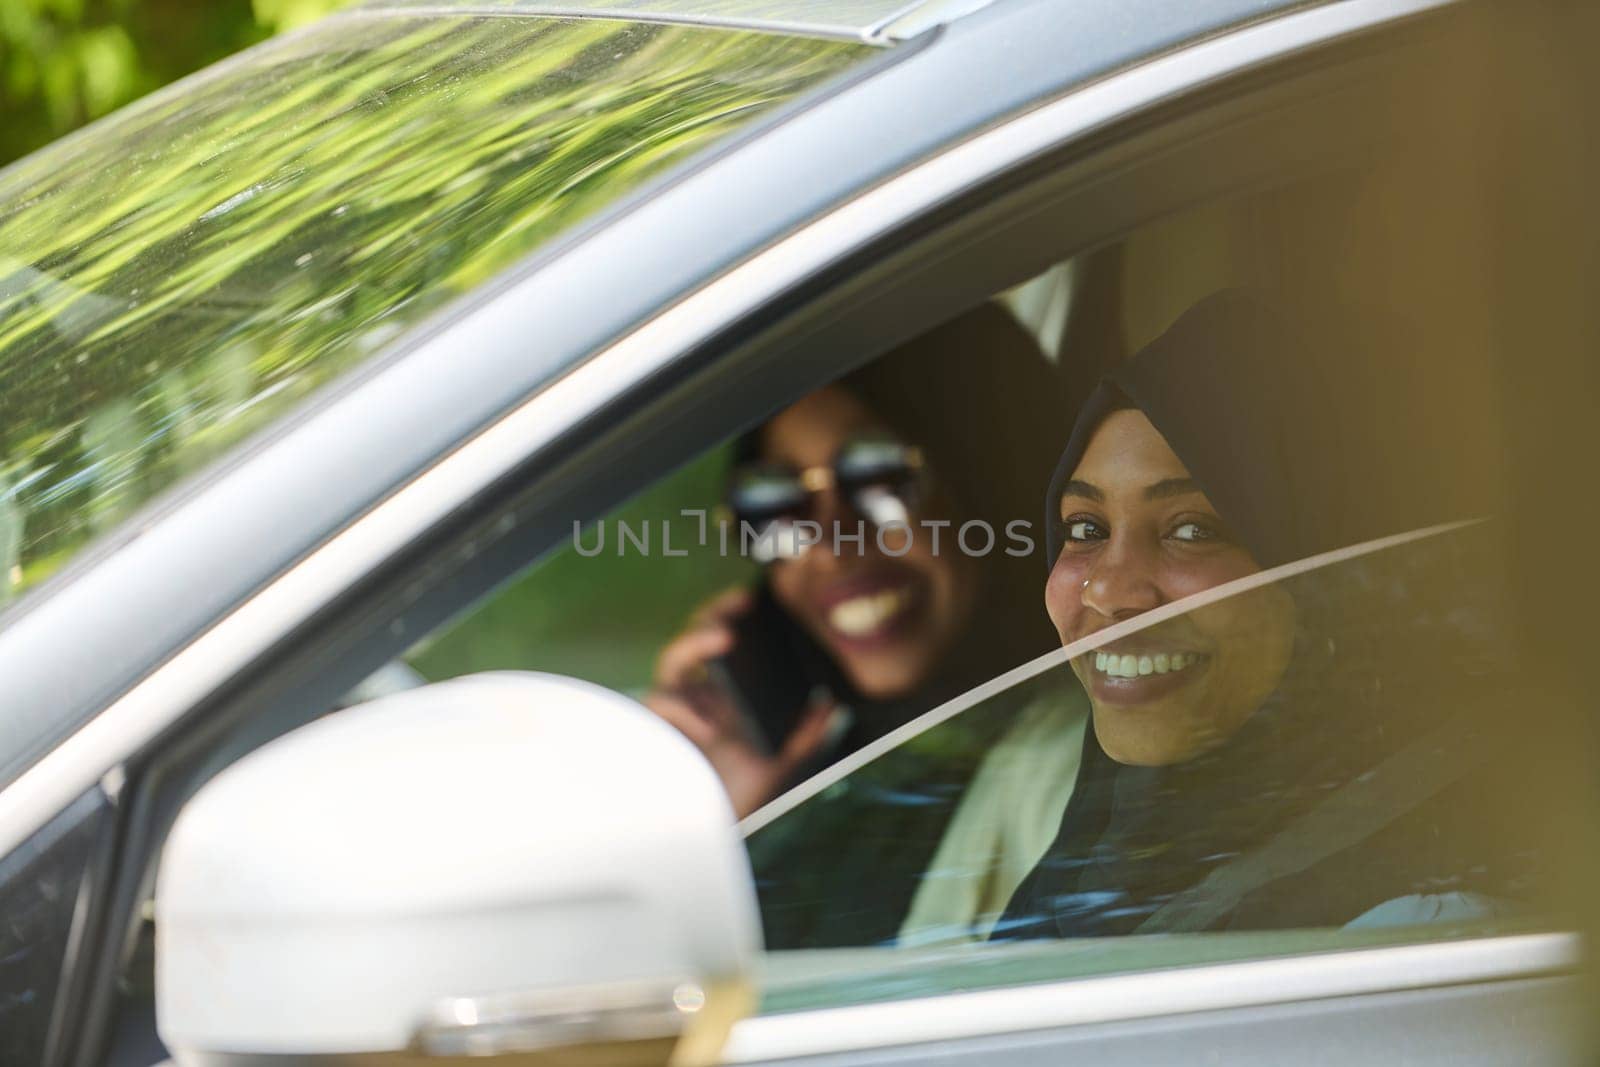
(772, 671)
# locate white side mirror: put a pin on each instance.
(503, 864)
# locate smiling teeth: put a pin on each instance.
(1127, 666)
(862, 615)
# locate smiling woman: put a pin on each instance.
(1139, 533)
(882, 615)
(1227, 740)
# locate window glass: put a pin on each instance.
(179, 275)
(1370, 797)
(1280, 716)
(1332, 764)
(852, 18)
(601, 612)
(1137, 617)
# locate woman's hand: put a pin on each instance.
(685, 696)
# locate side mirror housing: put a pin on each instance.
(502, 864)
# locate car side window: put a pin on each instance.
(1137, 616)
(1278, 717)
(603, 604)
(799, 599)
(1368, 796)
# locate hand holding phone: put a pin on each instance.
(773, 672)
(753, 712)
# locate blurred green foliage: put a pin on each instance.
(65, 62)
(182, 275)
(602, 617)
(194, 267)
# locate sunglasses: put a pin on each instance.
(878, 476)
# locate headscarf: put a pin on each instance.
(1270, 434)
(1270, 420)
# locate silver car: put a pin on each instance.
(316, 366)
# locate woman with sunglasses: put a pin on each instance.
(900, 613)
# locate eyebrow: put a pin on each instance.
(1167, 487)
(1083, 489)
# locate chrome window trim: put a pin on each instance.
(872, 23)
(755, 15)
(239, 638)
(1148, 994)
(923, 16)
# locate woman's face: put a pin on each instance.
(1140, 534)
(887, 620)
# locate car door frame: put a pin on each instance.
(1446, 1002)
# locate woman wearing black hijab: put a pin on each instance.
(1306, 752)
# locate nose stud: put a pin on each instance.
(1086, 583)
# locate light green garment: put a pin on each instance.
(1006, 821)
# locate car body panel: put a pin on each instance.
(1182, 988)
(1384, 958)
(1533, 1020)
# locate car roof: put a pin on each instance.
(869, 20)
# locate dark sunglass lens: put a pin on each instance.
(761, 493)
(880, 475)
(881, 462)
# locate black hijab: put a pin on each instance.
(1271, 421)
(1270, 432)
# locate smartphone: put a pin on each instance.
(772, 671)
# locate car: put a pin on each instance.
(308, 357)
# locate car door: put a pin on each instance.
(973, 201)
